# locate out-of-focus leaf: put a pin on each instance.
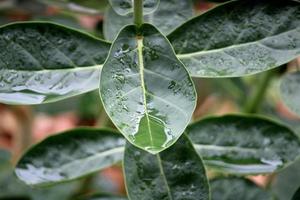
(124, 7)
(70, 155)
(176, 173)
(237, 188)
(239, 38)
(45, 62)
(104, 197)
(296, 195)
(286, 182)
(168, 15)
(290, 91)
(146, 90)
(241, 144)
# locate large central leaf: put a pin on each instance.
(146, 90)
(44, 62)
(239, 38)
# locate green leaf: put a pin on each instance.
(176, 173)
(290, 91)
(69, 156)
(45, 62)
(296, 195)
(239, 38)
(240, 144)
(146, 90)
(104, 197)
(168, 15)
(4, 157)
(237, 188)
(124, 7)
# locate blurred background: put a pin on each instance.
(23, 126)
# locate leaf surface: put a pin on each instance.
(176, 173)
(239, 38)
(237, 188)
(290, 91)
(104, 197)
(124, 7)
(146, 90)
(70, 155)
(45, 62)
(168, 15)
(239, 144)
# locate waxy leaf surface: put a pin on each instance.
(290, 91)
(239, 38)
(244, 144)
(124, 7)
(168, 15)
(45, 62)
(237, 188)
(70, 155)
(174, 174)
(146, 90)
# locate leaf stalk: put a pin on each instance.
(138, 12)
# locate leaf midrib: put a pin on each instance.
(140, 46)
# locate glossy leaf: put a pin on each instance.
(239, 38)
(290, 91)
(176, 173)
(146, 90)
(168, 15)
(45, 62)
(296, 195)
(237, 188)
(240, 144)
(70, 155)
(124, 7)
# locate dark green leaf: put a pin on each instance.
(239, 38)
(70, 155)
(176, 173)
(297, 195)
(146, 90)
(168, 15)
(124, 7)
(244, 144)
(15, 198)
(45, 62)
(237, 189)
(290, 91)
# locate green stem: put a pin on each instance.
(256, 99)
(138, 12)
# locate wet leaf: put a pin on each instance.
(46, 62)
(237, 188)
(146, 90)
(70, 155)
(290, 91)
(168, 15)
(296, 195)
(176, 173)
(124, 7)
(240, 144)
(239, 38)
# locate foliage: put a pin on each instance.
(144, 78)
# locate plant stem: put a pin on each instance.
(256, 99)
(138, 12)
